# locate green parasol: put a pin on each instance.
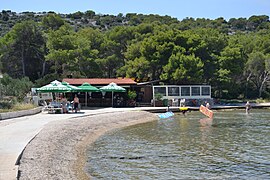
(112, 87)
(86, 87)
(73, 88)
(54, 86)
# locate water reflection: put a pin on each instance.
(231, 146)
(206, 122)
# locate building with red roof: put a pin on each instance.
(99, 99)
(99, 82)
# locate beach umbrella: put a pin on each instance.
(73, 88)
(86, 87)
(55, 82)
(54, 86)
(112, 87)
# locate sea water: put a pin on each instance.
(234, 145)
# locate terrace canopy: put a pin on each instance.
(54, 86)
(86, 87)
(112, 87)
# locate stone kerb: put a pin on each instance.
(9, 115)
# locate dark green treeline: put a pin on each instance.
(232, 56)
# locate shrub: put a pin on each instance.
(132, 95)
(15, 87)
(4, 104)
(158, 96)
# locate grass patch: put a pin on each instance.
(238, 101)
(19, 107)
(262, 100)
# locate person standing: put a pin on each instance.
(76, 103)
(207, 105)
(64, 104)
(182, 102)
(248, 107)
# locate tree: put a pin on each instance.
(139, 68)
(89, 14)
(88, 44)
(257, 21)
(112, 50)
(258, 70)
(22, 51)
(229, 73)
(212, 43)
(238, 24)
(61, 45)
(52, 21)
(183, 69)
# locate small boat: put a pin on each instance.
(166, 115)
(206, 111)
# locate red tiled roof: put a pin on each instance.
(100, 81)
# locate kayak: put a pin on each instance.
(166, 115)
(206, 111)
(183, 108)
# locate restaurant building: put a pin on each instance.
(146, 91)
(103, 99)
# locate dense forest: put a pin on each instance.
(232, 56)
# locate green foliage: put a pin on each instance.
(132, 95)
(15, 87)
(258, 70)
(183, 69)
(158, 96)
(9, 106)
(6, 104)
(22, 52)
(46, 79)
(52, 21)
(232, 56)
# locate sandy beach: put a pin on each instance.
(58, 151)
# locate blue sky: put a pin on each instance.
(176, 8)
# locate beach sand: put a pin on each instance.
(58, 151)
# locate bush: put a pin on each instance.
(9, 106)
(132, 94)
(23, 106)
(15, 87)
(4, 104)
(158, 96)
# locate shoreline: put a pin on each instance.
(59, 150)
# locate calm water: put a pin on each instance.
(232, 146)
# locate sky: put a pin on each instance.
(179, 9)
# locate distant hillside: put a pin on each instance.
(90, 19)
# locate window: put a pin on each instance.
(160, 90)
(195, 91)
(205, 91)
(185, 91)
(173, 91)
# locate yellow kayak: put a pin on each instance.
(183, 108)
